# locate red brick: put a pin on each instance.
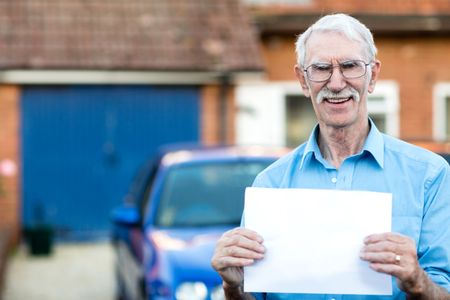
(10, 149)
(415, 63)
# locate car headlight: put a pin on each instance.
(191, 291)
(217, 293)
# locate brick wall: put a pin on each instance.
(9, 149)
(415, 63)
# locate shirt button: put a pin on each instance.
(334, 180)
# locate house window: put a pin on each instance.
(279, 114)
(300, 119)
(383, 107)
(441, 112)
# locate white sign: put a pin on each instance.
(313, 239)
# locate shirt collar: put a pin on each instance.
(311, 146)
(374, 144)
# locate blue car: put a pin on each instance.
(178, 206)
(446, 156)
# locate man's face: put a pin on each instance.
(338, 102)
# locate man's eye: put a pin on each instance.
(321, 68)
(349, 65)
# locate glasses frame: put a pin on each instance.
(340, 70)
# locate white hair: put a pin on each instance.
(342, 23)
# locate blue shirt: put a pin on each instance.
(419, 181)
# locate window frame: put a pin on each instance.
(441, 91)
(274, 111)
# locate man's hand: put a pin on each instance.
(236, 248)
(395, 254)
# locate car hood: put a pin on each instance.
(188, 251)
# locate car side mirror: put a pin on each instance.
(126, 216)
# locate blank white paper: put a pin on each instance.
(313, 239)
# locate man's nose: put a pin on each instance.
(337, 81)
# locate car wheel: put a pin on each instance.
(143, 289)
(119, 288)
(119, 297)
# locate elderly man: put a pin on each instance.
(337, 68)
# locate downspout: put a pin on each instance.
(224, 88)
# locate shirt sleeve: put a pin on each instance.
(261, 181)
(434, 242)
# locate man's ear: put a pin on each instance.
(301, 78)
(375, 71)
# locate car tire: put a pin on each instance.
(143, 289)
(119, 287)
(119, 297)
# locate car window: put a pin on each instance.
(446, 156)
(138, 183)
(206, 194)
(147, 188)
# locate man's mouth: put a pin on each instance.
(338, 100)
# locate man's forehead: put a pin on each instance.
(332, 45)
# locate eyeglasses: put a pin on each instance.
(350, 69)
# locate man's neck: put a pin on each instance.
(338, 143)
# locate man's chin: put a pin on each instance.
(339, 123)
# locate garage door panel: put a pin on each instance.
(82, 144)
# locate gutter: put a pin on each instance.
(297, 22)
(43, 77)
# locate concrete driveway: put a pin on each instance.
(72, 272)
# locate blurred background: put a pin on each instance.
(89, 90)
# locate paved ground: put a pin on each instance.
(72, 272)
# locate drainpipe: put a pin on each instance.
(224, 88)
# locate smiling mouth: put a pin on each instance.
(338, 100)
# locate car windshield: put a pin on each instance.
(206, 194)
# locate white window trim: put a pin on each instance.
(275, 93)
(440, 93)
(386, 89)
(389, 91)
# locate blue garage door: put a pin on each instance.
(82, 145)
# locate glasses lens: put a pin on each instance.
(353, 68)
(350, 69)
(319, 72)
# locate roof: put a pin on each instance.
(191, 35)
(381, 16)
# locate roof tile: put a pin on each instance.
(127, 34)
